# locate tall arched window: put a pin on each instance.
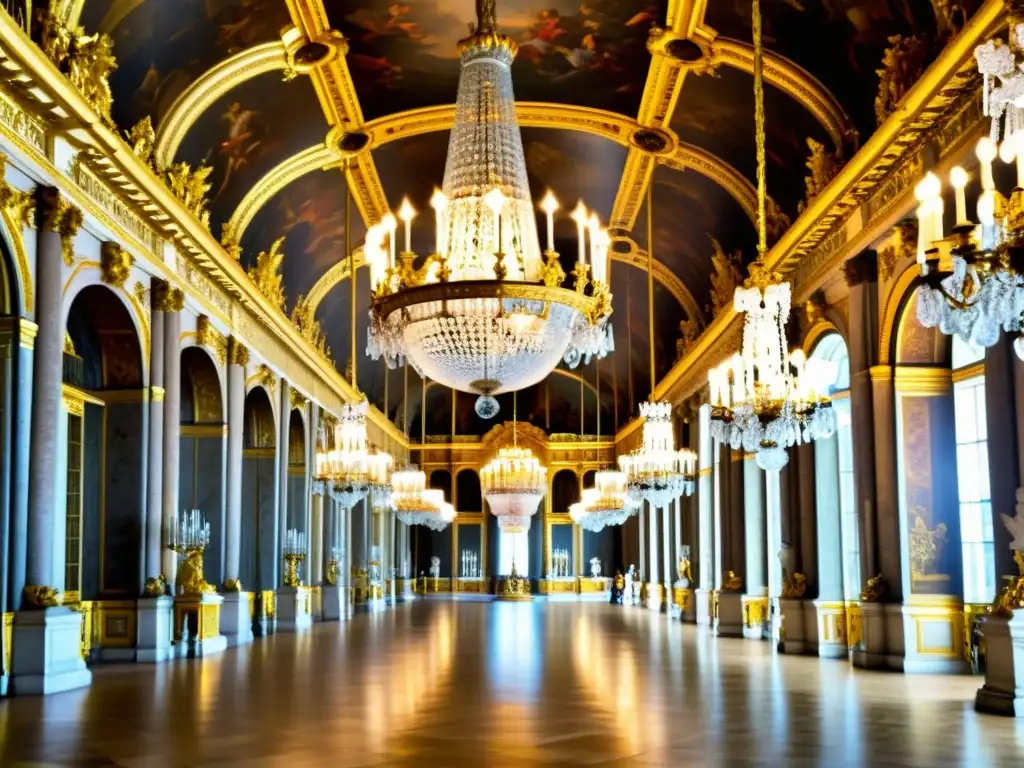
(972, 472)
(832, 348)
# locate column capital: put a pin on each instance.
(238, 353)
(862, 268)
(156, 394)
(881, 372)
(54, 213)
(25, 330)
(166, 297)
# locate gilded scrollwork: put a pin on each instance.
(266, 274)
(309, 327)
(19, 204)
(902, 65)
(86, 60)
(115, 264)
(55, 214)
(822, 167)
(725, 278)
(166, 297)
(208, 336)
(190, 187)
(874, 589)
(238, 353)
(230, 240)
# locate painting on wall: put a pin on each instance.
(587, 52)
(162, 47)
(310, 214)
(239, 135)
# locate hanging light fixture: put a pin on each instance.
(764, 400)
(486, 312)
(656, 472)
(974, 281)
(514, 482)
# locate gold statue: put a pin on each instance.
(874, 590)
(266, 274)
(190, 188)
(794, 586)
(229, 239)
(86, 60)
(1011, 596)
(902, 66)
(731, 582)
(309, 327)
(156, 586)
(35, 596)
(725, 277)
(689, 331)
(233, 585)
(822, 167)
(684, 569)
(142, 138)
(332, 572)
(190, 573)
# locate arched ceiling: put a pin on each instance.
(614, 96)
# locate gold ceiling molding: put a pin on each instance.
(637, 257)
(687, 156)
(315, 158)
(789, 78)
(210, 87)
(332, 277)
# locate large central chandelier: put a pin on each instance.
(415, 504)
(349, 470)
(974, 284)
(657, 472)
(486, 312)
(764, 400)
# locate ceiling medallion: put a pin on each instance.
(685, 50)
(305, 55)
(352, 142)
(653, 141)
(486, 311)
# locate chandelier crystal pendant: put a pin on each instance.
(486, 312)
(974, 280)
(606, 504)
(415, 504)
(349, 470)
(657, 473)
(765, 400)
(513, 483)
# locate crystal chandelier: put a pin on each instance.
(607, 503)
(349, 470)
(974, 282)
(486, 313)
(657, 472)
(764, 400)
(415, 504)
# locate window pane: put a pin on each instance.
(970, 523)
(964, 406)
(967, 462)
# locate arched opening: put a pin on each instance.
(565, 491)
(469, 495)
(427, 543)
(10, 364)
(257, 562)
(203, 454)
(105, 406)
(297, 509)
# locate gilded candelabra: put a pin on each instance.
(188, 536)
(294, 554)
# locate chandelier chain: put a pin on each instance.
(759, 136)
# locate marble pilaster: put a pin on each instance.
(283, 439)
(154, 487)
(754, 516)
(171, 301)
(830, 606)
(21, 423)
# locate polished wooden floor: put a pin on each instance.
(435, 684)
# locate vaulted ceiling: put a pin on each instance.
(225, 84)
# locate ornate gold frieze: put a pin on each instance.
(22, 124)
(822, 167)
(303, 318)
(112, 204)
(190, 187)
(208, 336)
(204, 286)
(115, 264)
(266, 274)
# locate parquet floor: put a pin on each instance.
(436, 684)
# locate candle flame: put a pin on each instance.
(550, 203)
(406, 213)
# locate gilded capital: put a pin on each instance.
(37, 596)
(55, 214)
(238, 354)
(115, 264)
(167, 298)
(862, 268)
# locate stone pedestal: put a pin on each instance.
(654, 597)
(197, 625)
(755, 616)
(729, 622)
(404, 590)
(880, 644)
(154, 629)
(703, 613)
(317, 604)
(1003, 691)
(830, 621)
(236, 618)
(933, 635)
(333, 602)
(294, 609)
(793, 630)
(48, 652)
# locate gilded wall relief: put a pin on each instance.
(161, 47)
(587, 52)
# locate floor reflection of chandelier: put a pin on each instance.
(975, 290)
(764, 400)
(415, 504)
(485, 313)
(607, 503)
(656, 472)
(348, 470)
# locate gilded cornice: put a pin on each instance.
(208, 88)
(789, 78)
(936, 109)
(135, 194)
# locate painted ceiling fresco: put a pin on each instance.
(587, 52)
(163, 45)
(840, 42)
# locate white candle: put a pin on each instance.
(922, 232)
(390, 225)
(958, 178)
(439, 202)
(986, 152)
(593, 227)
(495, 200)
(579, 215)
(549, 205)
(407, 213)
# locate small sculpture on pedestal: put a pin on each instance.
(294, 553)
(684, 570)
(435, 568)
(618, 585)
(595, 567)
(627, 586)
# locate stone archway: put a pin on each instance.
(298, 494)
(258, 564)
(103, 427)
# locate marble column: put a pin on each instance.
(653, 570)
(668, 547)
(238, 357)
(732, 543)
(704, 562)
(21, 424)
(283, 435)
(829, 607)
(1004, 395)
(315, 522)
(155, 500)
(755, 529)
(170, 301)
(46, 641)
